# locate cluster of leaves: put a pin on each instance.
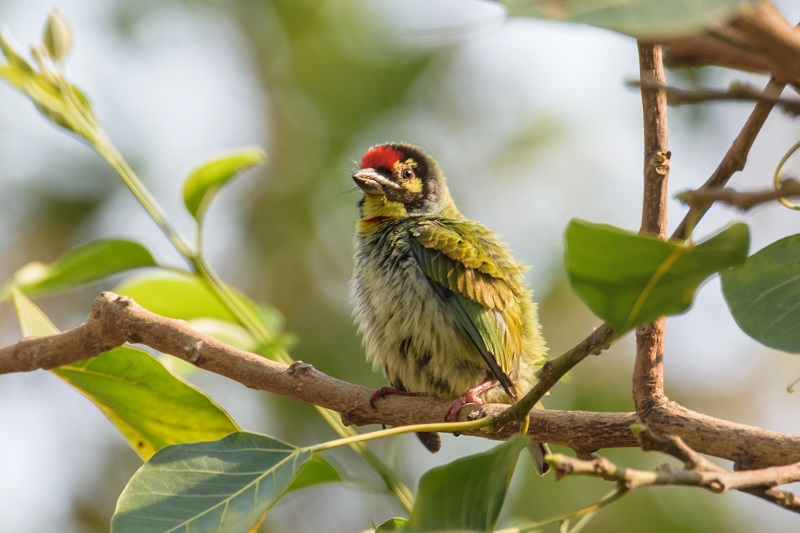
(201, 471)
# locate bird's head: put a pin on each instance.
(401, 180)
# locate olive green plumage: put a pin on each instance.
(439, 299)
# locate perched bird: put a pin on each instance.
(438, 298)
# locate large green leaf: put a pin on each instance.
(187, 297)
(764, 294)
(89, 262)
(204, 181)
(629, 279)
(467, 494)
(151, 407)
(226, 485)
(644, 19)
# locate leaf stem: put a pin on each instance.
(415, 428)
(609, 498)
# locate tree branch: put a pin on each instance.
(741, 200)
(699, 472)
(739, 92)
(648, 370)
(760, 39)
(735, 158)
(116, 320)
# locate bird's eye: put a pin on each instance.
(408, 173)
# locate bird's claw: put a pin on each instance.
(471, 396)
(383, 392)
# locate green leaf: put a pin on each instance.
(204, 181)
(317, 470)
(181, 296)
(468, 493)
(763, 294)
(629, 279)
(187, 297)
(90, 262)
(393, 524)
(226, 485)
(151, 407)
(643, 19)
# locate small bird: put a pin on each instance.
(438, 298)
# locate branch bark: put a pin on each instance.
(648, 370)
(741, 200)
(760, 39)
(698, 472)
(735, 158)
(717, 481)
(116, 320)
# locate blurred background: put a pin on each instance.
(530, 120)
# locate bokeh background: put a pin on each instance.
(532, 123)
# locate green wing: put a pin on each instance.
(475, 273)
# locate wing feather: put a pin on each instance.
(474, 273)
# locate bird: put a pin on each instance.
(438, 298)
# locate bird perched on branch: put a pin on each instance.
(438, 298)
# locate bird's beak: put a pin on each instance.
(372, 183)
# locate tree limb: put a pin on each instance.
(699, 472)
(760, 39)
(734, 159)
(648, 370)
(116, 320)
(738, 92)
(741, 200)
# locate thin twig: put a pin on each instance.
(699, 471)
(714, 481)
(734, 159)
(740, 200)
(738, 92)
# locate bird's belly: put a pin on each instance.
(411, 333)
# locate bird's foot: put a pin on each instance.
(383, 392)
(471, 396)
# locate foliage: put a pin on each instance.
(201, 470)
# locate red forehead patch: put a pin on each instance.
(383, 156)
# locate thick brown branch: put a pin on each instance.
(116, 320)
(648, 371)
(760, 39)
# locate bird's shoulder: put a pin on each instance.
(468, 258)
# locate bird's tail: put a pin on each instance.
(431, 440)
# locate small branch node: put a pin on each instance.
(716, 486)
(193, 351)
(299, 367)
